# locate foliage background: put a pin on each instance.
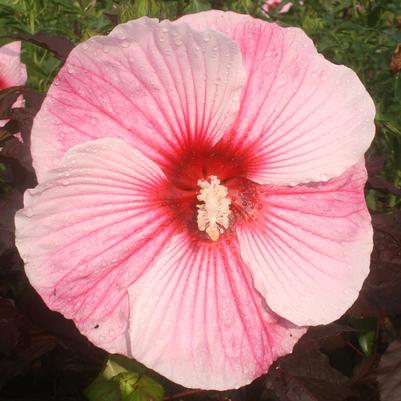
(358, 358)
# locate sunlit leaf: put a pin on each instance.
(122, 379)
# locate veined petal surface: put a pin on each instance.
(197, 319)
(309, 248)
(89, 230)
(158, 86)
(302, 118)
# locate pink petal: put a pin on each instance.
(196, 318)
(12, 71)
(302, 118)
(309, 249)
(89, 230)
(158, 86)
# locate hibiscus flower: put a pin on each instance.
(12, 71)
(272, 4)
(200, 194)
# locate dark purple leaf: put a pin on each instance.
(113, 17)
(375, 164)
(58, 45)
(387, 237)
(21, 119)
(307, 376)
(9, 204)
(364, 379)
(7, 98)
(381, 184)
(10, 325)
(34, 98)
(389, 373)
(8, 130)
(324, 336)
(381, 292)
(14, 149)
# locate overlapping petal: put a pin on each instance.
(89, 230)
(302, 118)
(196, 318)
(309, 249)
(159, 86)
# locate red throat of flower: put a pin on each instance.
(3, 85)
(209, 192)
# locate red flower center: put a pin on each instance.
(201, 163)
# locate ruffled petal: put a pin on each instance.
(12, 71)
(309, 247)
(89, 230)
(196, 318)
(158, 86)
(301, 117)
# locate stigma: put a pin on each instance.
(214, 212)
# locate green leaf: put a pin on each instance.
(311, 24)
(371, 200)
(195, 6)
(146, 8)
(119, 363)
(148, 390)
(366, 342)
(127, 383)
(113, 368)
(397, 87)
(374, 16)
(122, 379)
(102, 390)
